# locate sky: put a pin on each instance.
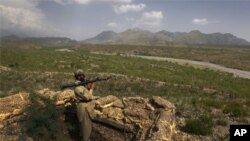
(81, 19)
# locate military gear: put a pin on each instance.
(79, 72)
(85, 82)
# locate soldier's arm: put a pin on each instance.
(89, 94)
(82, 93)
(91, 87)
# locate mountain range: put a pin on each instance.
(41, 41)
(134, 37)
(145, 37)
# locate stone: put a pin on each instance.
(118, 103)
(106, 100)
(60, 103)
(159, 102)
(114, 113)
(4, 116)
(209, 90)
(135, 112)
(1, 126)
(163, 127)
(17, 112)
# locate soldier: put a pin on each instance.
(83, 94)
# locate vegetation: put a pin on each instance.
(222, 122)
(144, 37)
(43, 122)
(50, 60)
(200, 126)
(195, 92)
(235, 109)
(230, 56)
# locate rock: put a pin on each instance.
(118, 103)
(60, 103)
(150, 107)
(138, 113)
(4, 116)
(209, 90)
(17, 101)
(9, 137)
(1, 126)
(3, 68)
(159, 102)
(29, 139)
(106, 100)
(165, 127)
(135, 107)
(17, 112)
(66, 95)
(114, 113)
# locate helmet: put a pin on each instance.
(79, 72)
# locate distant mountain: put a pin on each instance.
(144, 37)
(10, 37)
(105, 36)
(196, 37)
(41, 41)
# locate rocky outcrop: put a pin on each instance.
(128, 118)
(146, 120)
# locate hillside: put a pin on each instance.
(29, 117)
(105, 36)
(39, 41)
(144, 37)
(207, 100)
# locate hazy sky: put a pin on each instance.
(81, 19)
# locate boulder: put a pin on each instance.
(114, 119)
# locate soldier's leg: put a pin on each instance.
(85, 122)
(86, 125)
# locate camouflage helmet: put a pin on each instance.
(79, 72)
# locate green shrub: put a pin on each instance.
(199, 126)
(235, 110)
(43, 118)
(221, 122)
(213, 103)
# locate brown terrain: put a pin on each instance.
(50, 115)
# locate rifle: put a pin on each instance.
(63, 86)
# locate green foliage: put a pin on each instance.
(230, 56)
(50, 60)
(15, 81)
(235, 109)
(214, 103)
(34, 69)
(222, 122)
(201, 126)
(43, 118)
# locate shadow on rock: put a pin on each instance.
(46, 121)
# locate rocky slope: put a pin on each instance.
(49, 115)
(38, 41)
(144, 37)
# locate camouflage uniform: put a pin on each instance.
(83, 95)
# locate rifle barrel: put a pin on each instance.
(63, 86)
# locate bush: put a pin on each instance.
(200, 126)
(213, 103)
(235, 109)
(43, 118)
(222, 122)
